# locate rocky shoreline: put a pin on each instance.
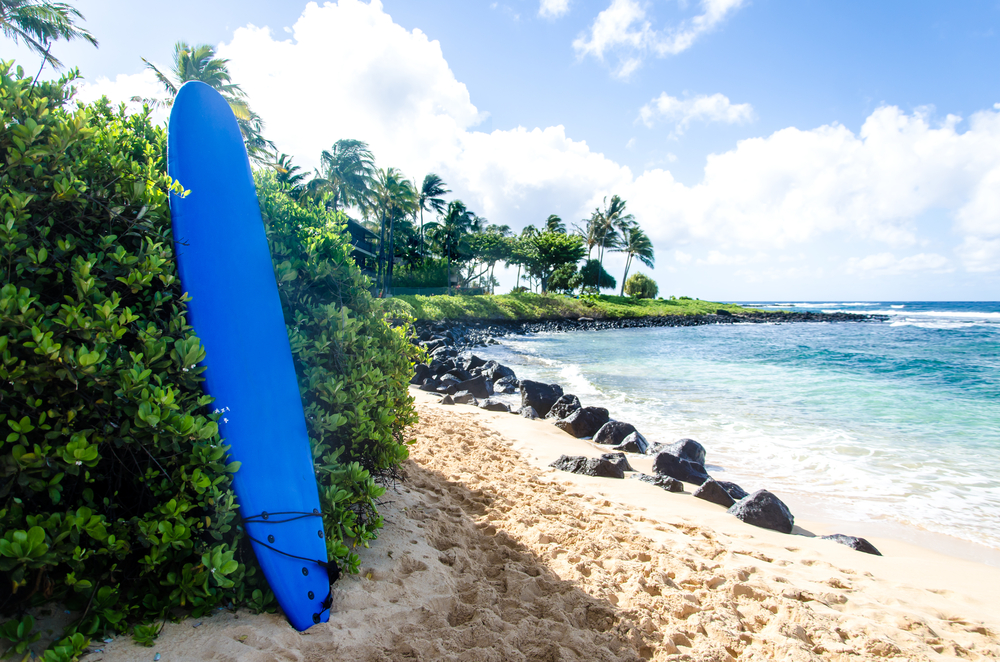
(465, 334)
(460, 377)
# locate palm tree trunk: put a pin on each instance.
(628, 263)
(421, 234)
(600, 258)
(380, 273)
(392, 258)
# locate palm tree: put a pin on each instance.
(527, 233)
(287, 174)
(38, 23)
(635, 244)
(430, 198)
(199, 63)
(456, 222)
(347, 173)
(555, 224)
(393, 196)
(610, 220)
(590, 231)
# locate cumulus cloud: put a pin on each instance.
(624, 30)
(887, 264)
(700, 108)
(394, 89)
(718, 258)
(553, 8)
(796, 185)
(123, 89)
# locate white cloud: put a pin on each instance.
(396, 91)
(700, 108)
(553, 8)
(623, 28)
(980, 255)
(121, 90)
(718, 258)
(794, 186)
(886, 264)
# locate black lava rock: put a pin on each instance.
(733, 490)
(447, 383)
(765, 510)
(584, 422)
(505, 385)
(447, 400)
(491, 404)
(528, 412)
(471, 362)
(859, 544)
(634, 443)
(478, 386)
(464, 398)
(564, 406)
(613, 433)
(433, 345)
(668, 464)
(421, 371)
(712, 491)
(495, 371)
(592, 466)
(458, 375)
(429, 385)
(619, 459)
(687, 449)
(540, 396)
(665, 482)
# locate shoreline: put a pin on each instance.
(539, 443)
(464, 336)
(472, 332)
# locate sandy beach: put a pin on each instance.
(488, 554)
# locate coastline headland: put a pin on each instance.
(471, 332)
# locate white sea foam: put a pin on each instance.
(821, 305)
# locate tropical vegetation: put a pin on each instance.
(199, 63)
(528, 306)
(39, 23)
(115, 496)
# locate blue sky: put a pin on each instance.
(785, 150)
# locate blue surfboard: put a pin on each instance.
(225, 266)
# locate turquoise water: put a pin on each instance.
(896, 421)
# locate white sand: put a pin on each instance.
(488, 554)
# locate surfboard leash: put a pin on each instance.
(333, 570)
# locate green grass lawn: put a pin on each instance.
(530, 307)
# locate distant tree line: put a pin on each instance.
(423, 239)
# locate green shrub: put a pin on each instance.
(641, 286)
(594, 273)
(429, 273)
(353, 366)
(565, 279)
(115, 491)
(114, 484)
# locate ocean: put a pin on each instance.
(892, 426)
